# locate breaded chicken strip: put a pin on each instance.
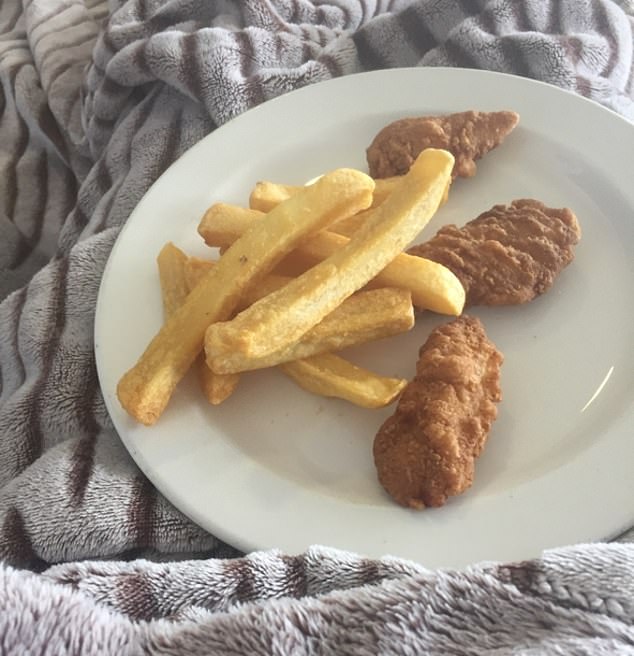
(507, 255)
(466, 135)
(425, 452)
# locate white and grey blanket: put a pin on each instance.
(96, 100)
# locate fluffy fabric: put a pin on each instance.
(96, 100)
(571, 601)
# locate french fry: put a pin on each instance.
(294, 264)
(361, 318)
(282, 317)
(349, 225)
(144, 391)
(433, 286)
(266, 195)
(216, 387)
(175, 286)
(171, 266)
(196, 268)
(329, 375)
(383, 188)
(223, 223)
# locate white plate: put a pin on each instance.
(277, 467)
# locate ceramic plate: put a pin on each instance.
(275, 466)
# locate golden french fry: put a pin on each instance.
(383, 188)
(327, 374)
(350, 224)
(282, 317)
(196, 268)
(216, 387)
(172, 265)
(294, 264)
(433, 286)
(266, 195)
(330, 375)
(145, 390)
(220, 386)
(361, 318)
(223, 223)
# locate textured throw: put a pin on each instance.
(96, 100)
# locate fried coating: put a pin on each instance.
(426, 451)
(507, 255)
(466, 135)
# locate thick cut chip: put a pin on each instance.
(266, 195)
(196, 268)
(145, 390)
(327, 374)
(363, 317)
(216, 387)
(175, 286)
(432, 285)
(171, 265)
(282, 317)
(330, 375)
(351, 224)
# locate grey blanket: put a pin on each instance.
(96, 100)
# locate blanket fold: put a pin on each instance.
(572, 601)
(97, 99)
